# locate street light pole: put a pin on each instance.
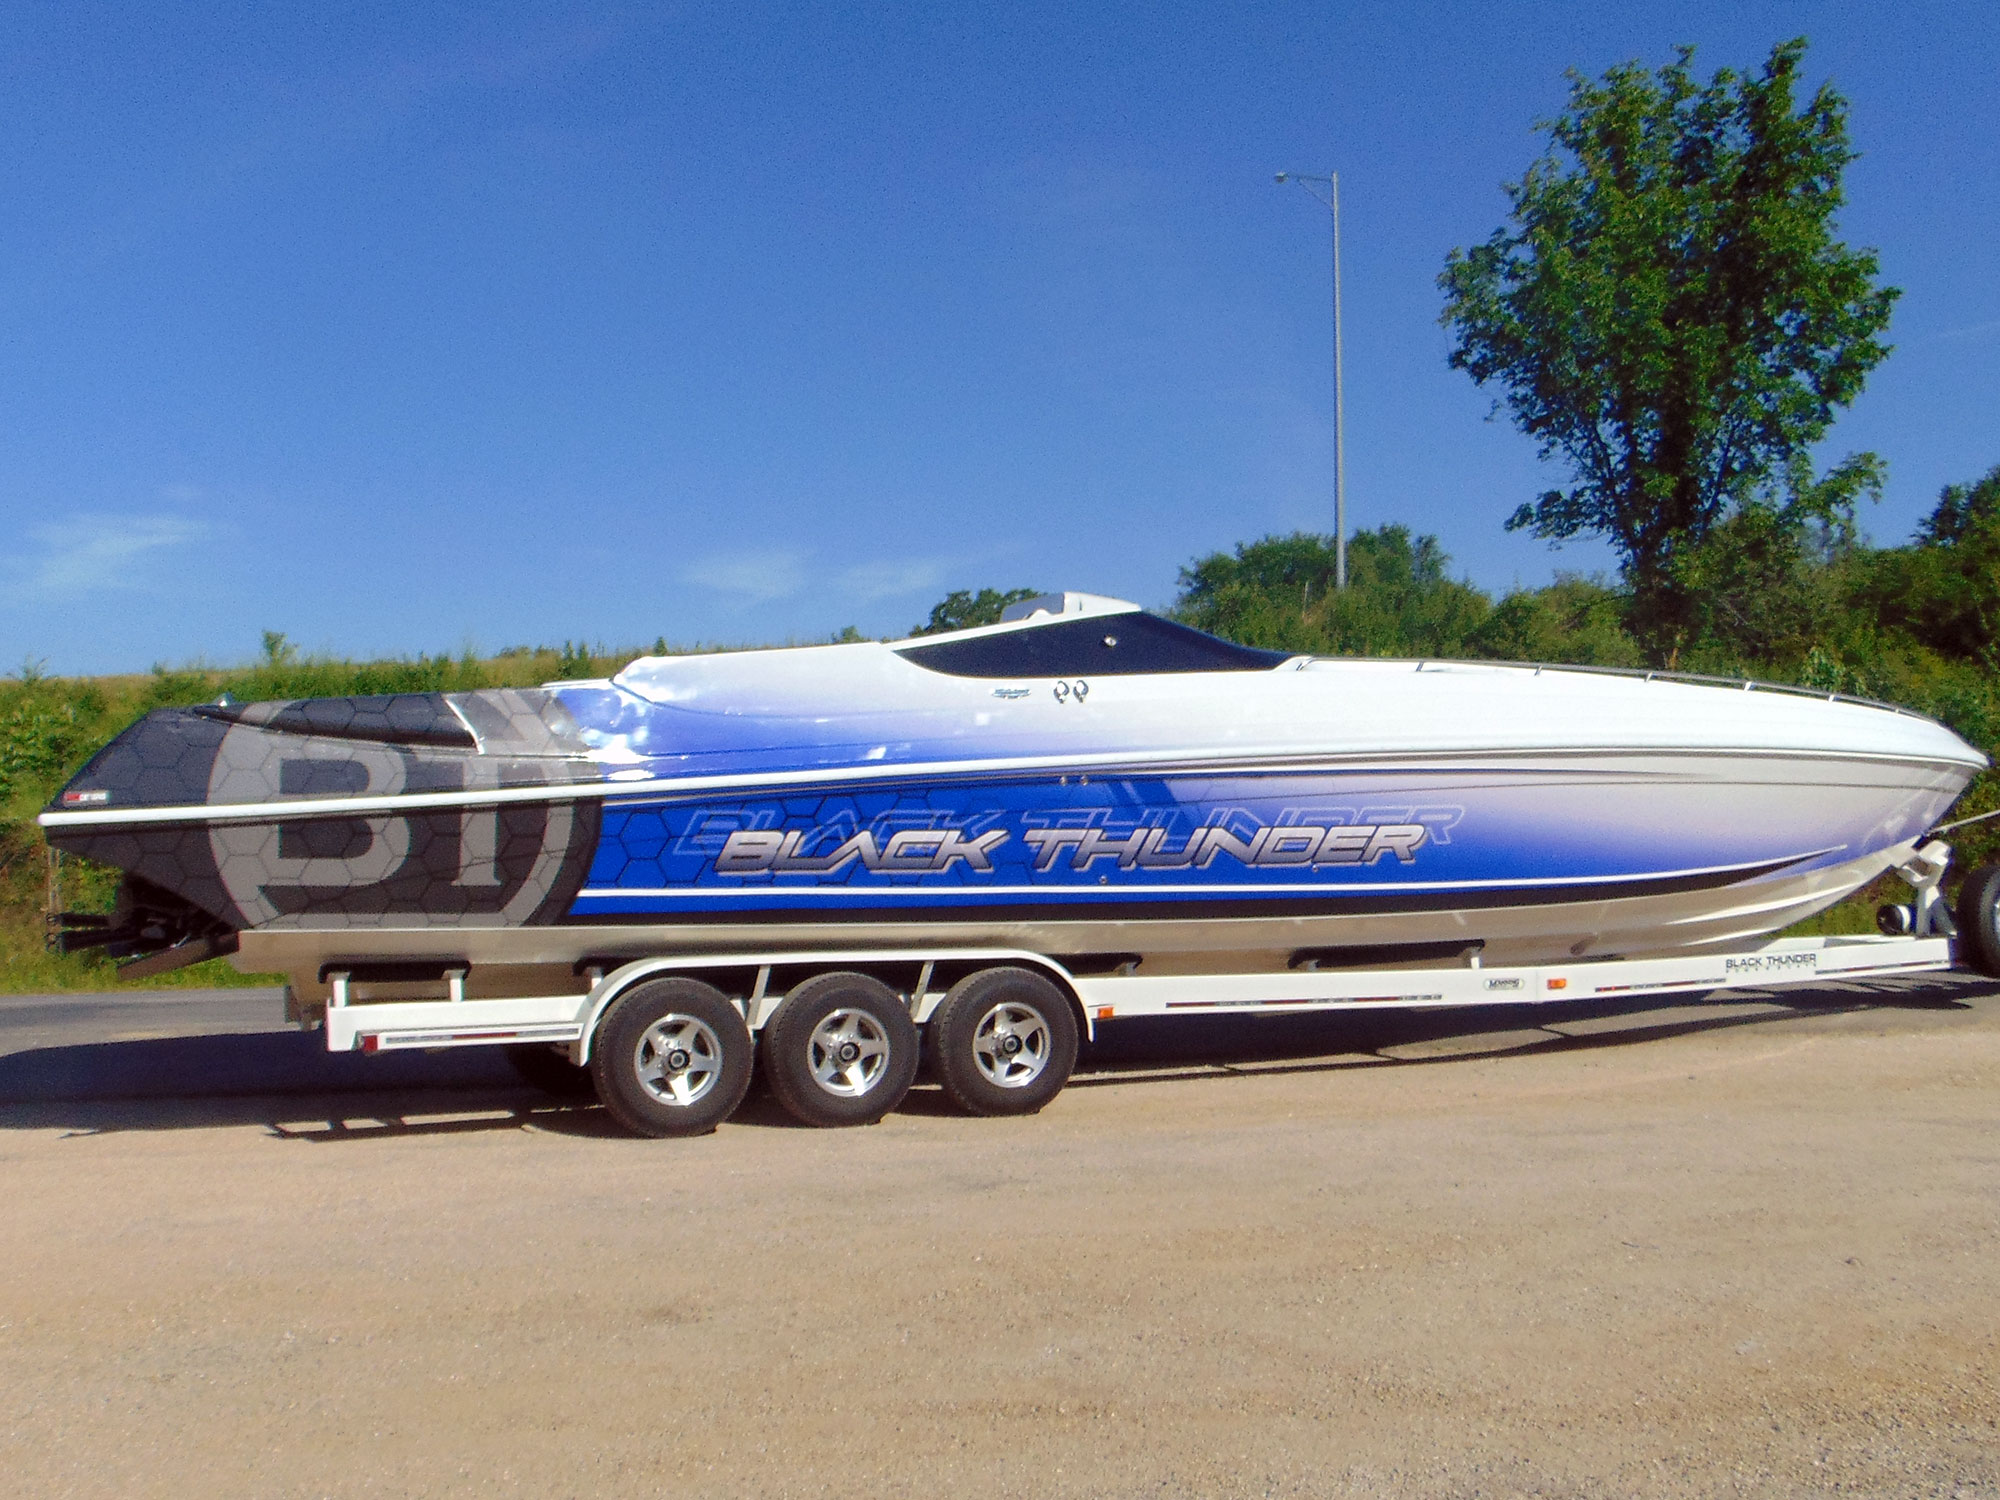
(1331, 199)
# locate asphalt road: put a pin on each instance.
(1690, 1249)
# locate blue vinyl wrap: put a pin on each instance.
(663, 856)
(1522, 825)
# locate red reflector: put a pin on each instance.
(370, 1042)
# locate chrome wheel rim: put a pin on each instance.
(678, 1059)
(1011, 1044)
(848, 1052)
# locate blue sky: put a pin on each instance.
(400, 328)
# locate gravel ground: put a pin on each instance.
(1744, 1248)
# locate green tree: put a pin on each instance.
(1278, 592)
(1962, 511)
(1670, 315)
(1261, 594)
(1762, 587)
(1945, 590)
(1571, 620)
(962, 609)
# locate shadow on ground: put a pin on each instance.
(287, 1083)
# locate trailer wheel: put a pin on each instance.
(547, 1069)
(840, 1050)
(1979, 919)
(672, 1057)
(1003, 1042)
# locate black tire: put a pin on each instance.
(840, 1050)
(1003, 1042)
(672, 1057)
(546, 1068)
(1979, 919)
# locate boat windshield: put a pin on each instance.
(1117, 645)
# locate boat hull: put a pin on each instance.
(1186, 815)
(1526, 859)
(1283, 839)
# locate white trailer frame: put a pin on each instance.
(757, 983)
(570, 1020)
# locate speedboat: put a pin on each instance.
(1084, 780)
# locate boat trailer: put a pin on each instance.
(669, 1041)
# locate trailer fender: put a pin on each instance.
(603, 993)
